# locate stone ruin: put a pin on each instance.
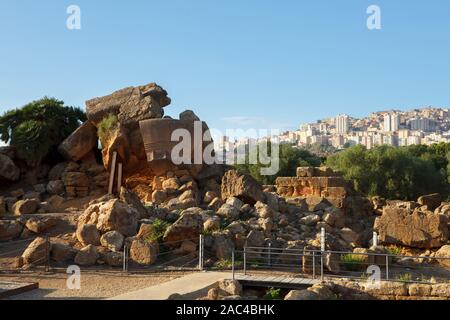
(310, 181)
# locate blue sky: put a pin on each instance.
(249, 64)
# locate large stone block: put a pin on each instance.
(80, 142)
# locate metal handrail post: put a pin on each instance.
(314, 265)
(387, 267)
(270, 254)
(232, 263)
(245, 260)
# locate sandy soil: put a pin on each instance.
(93, 285)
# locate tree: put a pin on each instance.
(393, 173)
(36, 129)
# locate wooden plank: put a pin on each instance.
(8, 289)
(112, 173)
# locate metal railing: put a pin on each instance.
(318, 264)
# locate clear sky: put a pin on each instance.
(243, 63)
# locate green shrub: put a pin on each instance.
(353, 262)
(106, 126)
(394, 250)
(36, 129)
(272, 294)
(160, 228)
(405, 277)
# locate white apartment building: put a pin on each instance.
(391, 122)
(342, 123)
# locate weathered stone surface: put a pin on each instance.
(159, 196)
(62, 252)
(255, 238)
(8, 170)
(389, 289)
(242, 186)
(118, 216)
(28, 206)
(189, 115)
(114, 259)
(228, 211)
(144, 253)
(223, 246)
(2, 206)
(39, 225)
(310, 220)
(36, 252)
(87, 256)
(413, 229)
(444, 252)
(112, 240)
(57, 171)
(301, 295)
(55, 187)
(171, 185)
(10, 230)
(349, 235)
(80, 142)
(230, 287)
(88, 234)
(211, 224)
(187, 227)
(132, 199)
(432, 201)
(130, 104)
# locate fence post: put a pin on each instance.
(270, 254)
(125, 258)
(314, 264)
(375, 239)
(232, 263)
(322, 249)
(200, 253)
(387, 267)
(47, 254)
(245, 260)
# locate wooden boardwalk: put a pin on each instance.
(275, 281)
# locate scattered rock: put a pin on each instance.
(187, 227)
(10, 229)
(39, 225)
(80, 142)
(62, 252)
(144, 253)
(28, 206)
(112, 240)
(118, 216)
(88, 234)
(55, 187)
(36, 252)
(432, 201)
(8, 170)
(242, 186)
(87, 256)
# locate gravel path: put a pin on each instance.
(93, 285)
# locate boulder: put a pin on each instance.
(132, 199)
(444, 252)
(187, 247)
(62, 252)
(87, 256)
(118, 216)
(159, 196)
(189, 115)
(412, 229)
(80, 142)
(187, 227)
(28, 206)
(228, 211)
(39, 225)
(112, 240)
(57, 171)
(242, 186)
(211, 224)
(8, 170)
(55, 187)
(215, 204)
(255, 238)
(130, 105)
(301, 295)
(144, 253)
(145, 231)
(10, 230)
(223, 246)
(264, 211)
(171, 185)
(310, 220)
(230, 288)
(88, 234)
(432, 201)
(2, 206)
(349, 235)
(114, 259)
(36, 252)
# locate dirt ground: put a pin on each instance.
(98, 285)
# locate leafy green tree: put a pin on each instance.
(394, 173)
(36, 129)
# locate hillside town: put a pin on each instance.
(396, 128)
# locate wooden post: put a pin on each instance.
(119, 176)
(112, 173)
